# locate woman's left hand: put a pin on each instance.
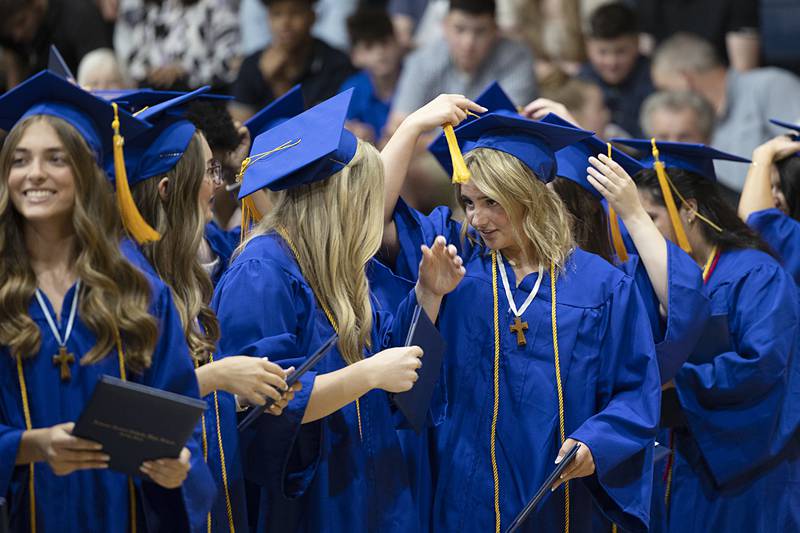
(168, 473)
(582, 465)
(616, 186)
(441, 269)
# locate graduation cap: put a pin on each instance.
(139, 100)
(310, 147)
(532, 142)
(287, 106)
(158, 151)
(57, 65)
(789, 126)
(99, 122)
(696, 158)
(572, 161)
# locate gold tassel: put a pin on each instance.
(250, 217)
(133, 221)
(669, 201)
(616, 234)
(461, 173)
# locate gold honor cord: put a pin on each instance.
(496, 410)
(285, 235)
(23, 387)
(616, 235)
(133, 221)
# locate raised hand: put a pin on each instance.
(444, 109)
(539, 108)
(616, 186)
(441, 269)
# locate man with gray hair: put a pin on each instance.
(743, 102)
(677, 116)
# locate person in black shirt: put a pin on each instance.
(294, 56)
(29, 27)
(616, 65)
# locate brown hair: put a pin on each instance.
(115, 296)
(589, 219)
(180, 221)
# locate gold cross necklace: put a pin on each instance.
(518, 327)
(63, 358)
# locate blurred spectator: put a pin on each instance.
(678, 116)
(553, 30)
(178, 44)
(743, 102)
(294, 56)
(100, 70)
(375, 50)
(579, 101)
(29, 27)
(615, 64)
(731, 26)
(406, 15)
(329, 26)
(472, 55)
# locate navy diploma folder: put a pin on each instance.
(137, 423)
(415, 402)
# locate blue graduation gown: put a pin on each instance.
(218, 425)
(319, 476)
(688, 308)
(782, 233)
(737, 465)
(611, 391)
(223, 243)
(95, 500)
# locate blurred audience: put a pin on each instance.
(678, 116)
(179, 44)
(377, 52)
(615, 64)
(29, 27)
(293, 56)
(743, 102)
(100, 70)
(579, 101)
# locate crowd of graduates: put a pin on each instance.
(611, 293)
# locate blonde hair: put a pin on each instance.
(540, 222)
(336, 226)
(180, 220)
(115, 297)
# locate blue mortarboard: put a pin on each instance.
(287, 106)
(157, 151)
(788, 125)
(138, 100)
(532, 142)
(697, 158)
(573, 160)
(310, 147)
(49, 94)
(57, 65)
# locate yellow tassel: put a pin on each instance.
(250, 217)
(616, 234)
(461, 173)
(669, 201)
(133, 221)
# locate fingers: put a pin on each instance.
(271, 367)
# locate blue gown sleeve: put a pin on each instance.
(688, 308)
(782, 233)
(9, 446)
(262, 311)
(171, 370)
(739, 405)
(622, 433)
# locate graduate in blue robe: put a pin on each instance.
(735, 438)
(770, 200)
(503, 430)
(54, 392)
(320, 466)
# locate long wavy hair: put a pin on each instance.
(539, 220)
(180, 220)
(336, 226)
(588, 217)
(115, 296)
(710, 203)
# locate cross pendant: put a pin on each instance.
(64, 358)
(519, 327)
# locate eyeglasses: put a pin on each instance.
(214, 171)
